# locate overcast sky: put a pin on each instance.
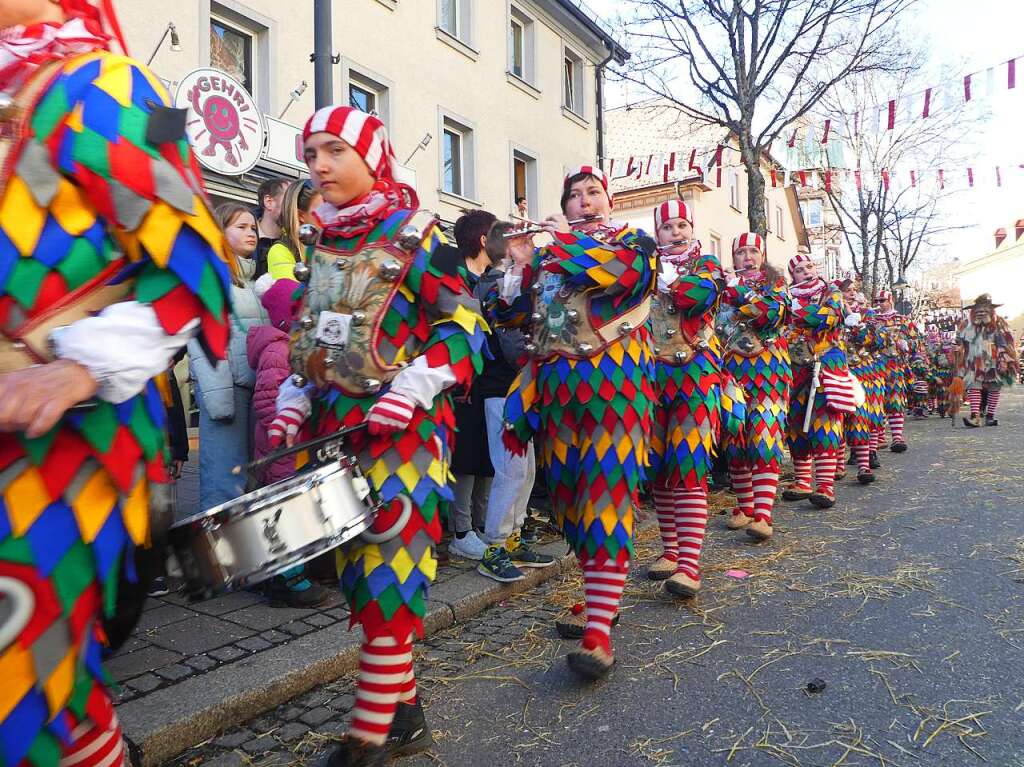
(966, 36)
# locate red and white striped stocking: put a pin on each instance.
(876, 436)
(385, 668)
(825, 472)
(602, 591)
(665, 506)
(863, 453)
(94, 746)
(742, 485)
(974, 400)
(766, 482)
(896, 426)
(993, 402)
(691, 522)
(802, 471)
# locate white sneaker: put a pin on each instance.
(468, 547)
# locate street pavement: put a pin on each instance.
(886, 631)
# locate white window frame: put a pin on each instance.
(579, 84)
(518, 16)
(466, 130)
(264, 33)
(463, 32)
(368, 80)
(780, 230)
(715, 241)
(530, 157)
(820, 205)
(734, 190)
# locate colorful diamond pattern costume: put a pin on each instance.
(87, 188)
(866, 341)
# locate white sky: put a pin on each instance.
(964, 37)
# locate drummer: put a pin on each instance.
(386, 328)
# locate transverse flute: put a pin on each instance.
(537, 228)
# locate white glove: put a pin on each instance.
(667, 276)
(733, 282)
(852, 320)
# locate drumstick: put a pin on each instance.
(319, 441)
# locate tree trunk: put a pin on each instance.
(757, 220)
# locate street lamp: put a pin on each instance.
(171, 30)
(293, 97)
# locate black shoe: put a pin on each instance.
(873, 461)
(991, 421)
(853, 459)
(409, 733)
(352, 752)
(158, 588)
(973, 422)
(865, 476)
(296, 591)
(899, 447)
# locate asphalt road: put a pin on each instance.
(906, 600)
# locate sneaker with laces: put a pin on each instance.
(293, 589)
(159, 588)
(523, 556)
(468, 546)
(496, 565)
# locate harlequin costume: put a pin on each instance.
(752, 322)
(587, 395)
(385, 328)
(815, 335)
(687, 413)
(988, 359)
(100, 188)
(865, 340)
(903, 343)
(944, 366)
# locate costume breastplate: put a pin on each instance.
(338, 339)
(562, 321)
(671, 344)
(800, 352)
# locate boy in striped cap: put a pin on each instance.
(688, 381)
(586, 394)
(904, 340)
(752, 323)
(403, 331)
(819, 359)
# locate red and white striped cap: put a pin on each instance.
(587, 170)
(672, 209)
(363, 132)
(749, 240)
(799, 258)
(883, 295)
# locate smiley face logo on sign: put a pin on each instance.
(224, 126)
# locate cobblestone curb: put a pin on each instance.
(169, 720)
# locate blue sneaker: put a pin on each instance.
(497, 566)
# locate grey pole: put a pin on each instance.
(323, 54)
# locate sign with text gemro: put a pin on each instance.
(224, 125)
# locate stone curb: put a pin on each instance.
(169, 721)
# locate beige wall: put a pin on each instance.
(396, 42)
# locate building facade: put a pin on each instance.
(485, 100)
(999, 272)
(719, 211)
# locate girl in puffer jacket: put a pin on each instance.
(267, 350)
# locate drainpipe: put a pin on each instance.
(599, 76)
(323, 55)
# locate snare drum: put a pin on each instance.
(263, 533)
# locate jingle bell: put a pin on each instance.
(536, 317)
(680, 357)
(358, 318)
(657, 350)
(409, 238)
(530, 348)
(584, 348)
(573, 315)
(670, 332)
(625, 328)
(370, 384)
(307, 322)
(299, 380)
(670, 309)
(301, 272)
(308, 234)
(329, 361)
(390, 270)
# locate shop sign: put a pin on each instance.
(224, 125)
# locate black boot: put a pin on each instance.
(352, 752)
(409, 733)
(990, 420)
(873, 461)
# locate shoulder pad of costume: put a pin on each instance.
(645, 243)
(165, 124)
(446, 259)
(415, 229)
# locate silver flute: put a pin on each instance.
(537, 228)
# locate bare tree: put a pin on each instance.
(758, 64)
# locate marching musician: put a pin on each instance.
(688, 382)
(386, 328)
(752, 322)
(822, 391)
(903, 342)
(110, 261)
(586, 393)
